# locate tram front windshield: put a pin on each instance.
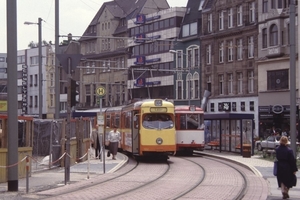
(189, 122)
(157, 121)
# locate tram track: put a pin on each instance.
(131, 178)
(192, 177)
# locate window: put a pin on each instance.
(221, 84)
(179, 60)
(34, 60)
(35, 80)
(93, 70)
(189, 58)
(51, 100)
(251, 106)
(189, 29)
(51, 79)
(240, 83)
(36, 101)
(230, 83)
(179, 89)
(209, 23)
(273, 35)
(30, 80)
(188, 86)
(273, 4)
(193, 56)
(208, 54)
(250, 81)
(196, 57)
(265, 6)
(239, 49)
(230, 18)
(221, 20)
(195, 86)
(200, 5)
(221, 52)
(278, 79)
(208, 82)
(240, 15)
(230, 51)
(279, 6)
(252, 12)
(30, 101)
(250, 47)
(264, 38)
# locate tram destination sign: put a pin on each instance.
(158, 110)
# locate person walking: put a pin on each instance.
(286, 167)
(114, 137)
(96, 143)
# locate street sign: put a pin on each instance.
(101, 91)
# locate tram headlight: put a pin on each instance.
(159, 141)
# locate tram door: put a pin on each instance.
(135, 133)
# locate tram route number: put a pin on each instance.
(158, 110)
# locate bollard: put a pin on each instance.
(88, 166)
(27, 174)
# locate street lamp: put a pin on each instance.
(189, 80)
(39, 23)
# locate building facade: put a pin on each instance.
(274, 66)
(104, 46)
(151, 65)
(229, 53)
(187, 79)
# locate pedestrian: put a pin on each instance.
(286, 167)
(114, 137)
(95, 142)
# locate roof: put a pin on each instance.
(228, 116)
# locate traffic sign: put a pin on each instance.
(101, 91)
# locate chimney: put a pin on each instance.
(69, 37)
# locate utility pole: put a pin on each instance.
(57, 71)
(293, 77)
(12, 133)
(40, 70)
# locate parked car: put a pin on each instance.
(270, 143)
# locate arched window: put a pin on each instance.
(188, 86)
(273, 35)
(196, 86)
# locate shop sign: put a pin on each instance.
(277, 109)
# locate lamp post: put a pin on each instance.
(189, 80)
(39, 23)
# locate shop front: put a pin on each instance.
(274, 116)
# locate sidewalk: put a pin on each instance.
(260, 167)
(43, 178)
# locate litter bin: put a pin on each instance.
(246, 150)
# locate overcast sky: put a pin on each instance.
(75, 16)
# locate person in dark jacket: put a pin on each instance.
(96, 143)
(286, 167)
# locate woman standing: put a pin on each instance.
(114, 137)
(286, 167)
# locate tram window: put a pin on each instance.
(108, 121)
(193, 122)
(136, 121)
(117, 121)
(182, 122)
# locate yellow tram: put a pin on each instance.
(147, 127)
